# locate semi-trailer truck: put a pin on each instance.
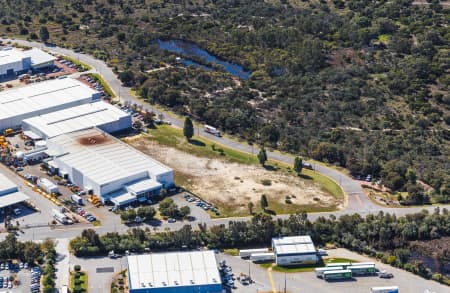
(245, 253)
(212, 130)
(76, 199)
(390, 289)
(262, 257)
(60, 217)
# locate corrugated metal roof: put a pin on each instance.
(293, 244)
(173, 269)
(43, 95)
(102, 157)
(10, 55)
(6, 185)
(38, 56)
(12, 198)
(76, 118)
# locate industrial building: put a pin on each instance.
(99, 114)
(14, 61)
(105, 166)
(294, 250)
(41, 98)
(9, 193)
(174, 272)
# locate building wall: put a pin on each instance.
(212, 288)
(166, 179)
(15, 66)
(119, 184)
(115, 126)
(296, 259)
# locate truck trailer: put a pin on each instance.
(262, 257)
(212, 130)
(76, 199)
(245, 253)
(60, 217)
(337, 275)
(320, 271)
(338, 264)
(362, 270)
(47, 186)
(390, 289)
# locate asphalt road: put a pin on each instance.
(357, 200)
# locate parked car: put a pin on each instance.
(172, 220)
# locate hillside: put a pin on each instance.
(360, 84)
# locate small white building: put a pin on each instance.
(172, 272)
(99, 114)
(14, 61)
(105, 166)
(9, 193)
(294, 250)
(41, 98)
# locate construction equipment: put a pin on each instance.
(8, 132)
(95, 200)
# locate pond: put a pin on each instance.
(190, 49)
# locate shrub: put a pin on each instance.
(77, 268)
(288, 201)
(266, 182)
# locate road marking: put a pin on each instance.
(272, 283)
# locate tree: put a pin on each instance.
(44, 34)
(146, 212)
(262, 156)
(127, 77)
(185, 211)
(298, 165)
(168, 208)
(264, 202)
(188, 129)
(250, 206)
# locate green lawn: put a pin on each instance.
(306, 268)
(231, 251)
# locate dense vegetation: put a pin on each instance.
(360, 84)
(385, 236)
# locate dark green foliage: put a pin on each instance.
(359, 84)
(188, 128)
(44, 35)
(264, 202)
(262, 156)
(298, 165)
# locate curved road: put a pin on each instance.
(357, 200)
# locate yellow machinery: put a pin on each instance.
(94, 200)
(8, 131)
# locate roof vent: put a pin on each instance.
(214, 280)
(142, 284)
(192, 281)
(175, 282)
(150, 284)
(164, 283)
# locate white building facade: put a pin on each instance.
(294, 250)
(105, 166)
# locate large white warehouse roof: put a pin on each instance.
(10, 55)
(42, 98)
(159, 270)
(101, 157)
(293, 245)
(77, 118)
(9, 193)
(38, 56)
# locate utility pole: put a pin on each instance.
(284, 282)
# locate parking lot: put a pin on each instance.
(19, 277)
(308, 282)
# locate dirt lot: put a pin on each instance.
(224, 183)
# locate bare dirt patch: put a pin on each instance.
(225, 183)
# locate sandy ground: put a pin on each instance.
(219, 181)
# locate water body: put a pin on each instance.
(190, 49)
